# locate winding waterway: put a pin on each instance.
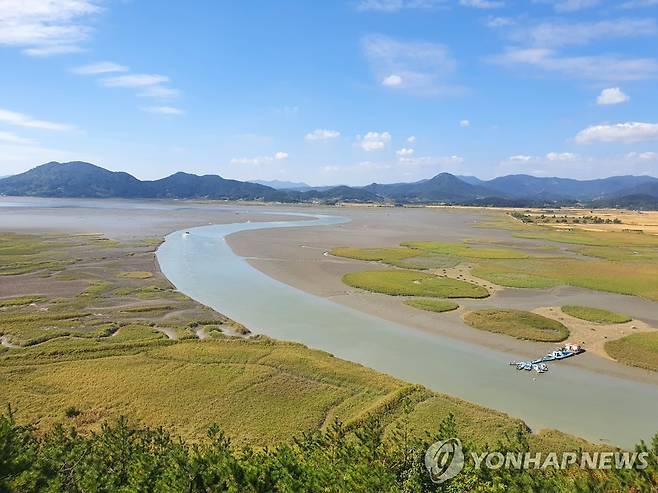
(578, 401)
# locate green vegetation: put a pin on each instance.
(638, 279)
(426, 255)
(433, 305)
(593, 238)
(93, 350)
(636, 350)
(136, 275)
(519, 324)
(465, 251)
(413, 283)
(392, 256)
(126, 457)
(596, 314)
(20, 300)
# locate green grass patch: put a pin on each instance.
(148, 309)
(21, 301)
(593, 238)
(596, 314)
(636, 278)
(465, 251)
(412, 283)
(519, 324)
(433, 305)
(396, 256)
(136, 275)
(636, 350)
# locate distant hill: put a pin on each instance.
(444, 187)
(76, 179)
(634, 202)
(648, 188)
(472, 180)
(79, 179)
(284, 185)
(184, 185)
(527, 186)
(341, 194)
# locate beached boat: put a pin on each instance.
(539, 365)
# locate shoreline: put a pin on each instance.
(302, 264)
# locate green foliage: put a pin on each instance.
(20, 301)
(596, 314)
(433, 305)
(636, 350)
(465, 251)
(136, 275)
(126, 457)
(413, 283)
(519, 324)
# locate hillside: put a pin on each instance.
(444, 187)
(526, 186)
(79, 179)
(75, 179)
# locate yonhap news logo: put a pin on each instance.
(445, 459)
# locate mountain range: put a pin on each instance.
(79, 179)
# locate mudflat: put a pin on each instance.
(300, 258)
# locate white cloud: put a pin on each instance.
(416, 66)
(536, 45)
(575, 5)
(411, 139)
(562, 156)
(99, 68)
(404, 152)
(465, 123)
(482, 4)
(621, 132)
(373, 141)
(639, 4)
(396, 5)
(159, 92)
(150, 85)
(12, 138)
(612, 95)
(593, 67)
(22, 120)
(322, 135)
(260, 160)
(496, 22)
(392, 80)
(549, 34)
(46, 27)
(135, 80)
(520, 157)
(642, 156)
(163, 110)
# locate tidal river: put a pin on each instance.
(594, 406)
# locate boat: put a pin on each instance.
(539, 365)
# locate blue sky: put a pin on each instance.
(331, 92)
